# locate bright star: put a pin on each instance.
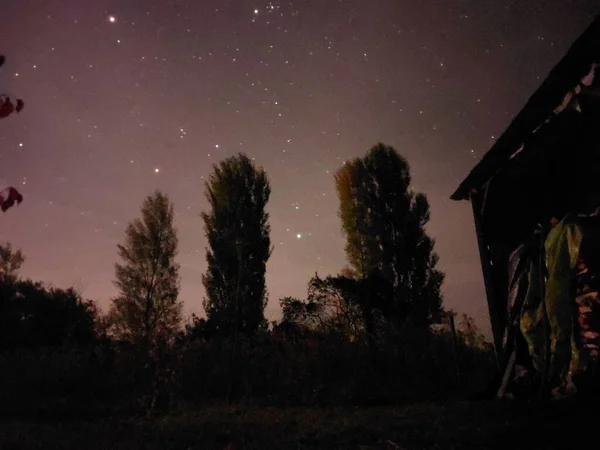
(157, 170)
(298, 236)
(112, 19)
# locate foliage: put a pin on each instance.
(197, 328)
(384, 221)
(330, 307)
(33, 315)
(237, 229)
(362, 249)
(279, 368)
(10, 263)
(65, 356)
(470, 333)
(59, 359)
(148, 277)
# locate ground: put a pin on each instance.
(457, 425)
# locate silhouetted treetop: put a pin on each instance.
(383, 220)
(237, 229)
(148, 277)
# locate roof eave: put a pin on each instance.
(561, 79)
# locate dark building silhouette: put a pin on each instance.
(545, 164)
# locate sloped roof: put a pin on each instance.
(562, 79)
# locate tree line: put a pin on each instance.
(372, 324)
(391, 277)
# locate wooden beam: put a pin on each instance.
(477, 203)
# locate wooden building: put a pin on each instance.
(545, 163)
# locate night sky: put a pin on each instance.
(124, 97)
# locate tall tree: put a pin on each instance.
(148, 277)
(384, 221)
(237, 229)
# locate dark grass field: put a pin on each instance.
(456, 425)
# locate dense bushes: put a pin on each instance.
(33, 315)
(278, 368)
(57, 357)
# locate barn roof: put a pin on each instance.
(584, 52)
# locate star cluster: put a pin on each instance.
(126, 97)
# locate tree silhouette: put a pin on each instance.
(32, 315)
(50, 316)
(10, 263)
(148, 277)
(384, 221)
(237, 230)
(470, 333)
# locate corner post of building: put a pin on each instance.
(478, 203)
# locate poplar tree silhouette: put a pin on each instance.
(383, 220)
(237, 229)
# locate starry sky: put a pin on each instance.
(124, 97)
